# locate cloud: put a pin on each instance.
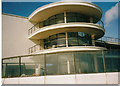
(111, 15)
(75, 0)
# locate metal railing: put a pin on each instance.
(103, 39)
(56, 19)
(110, 39)
(34, 48)
(39, 25)
(100, 23)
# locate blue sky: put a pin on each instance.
(110, 17)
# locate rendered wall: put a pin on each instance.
(93, 78)
(15, 40)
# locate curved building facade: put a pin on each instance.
(64, 36)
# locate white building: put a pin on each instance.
(58, 44)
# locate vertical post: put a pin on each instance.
(74, 63)
(2, 69)
(104, 61)
(65, 19)
(93, 39)
(68, 65)
(6, 70)
(74, 67)
(19, 66)
(44, 65)
(66, 39)
(95, 61)
(44, 69)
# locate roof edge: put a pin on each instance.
(14, 15)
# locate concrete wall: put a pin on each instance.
(15, 40)
(93, 78)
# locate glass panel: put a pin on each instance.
(57, 40)
(78, 38)
(89, 62)
(45, 23)
(77, 17)
(98, 58)
(32, 66)
(84, 63)
(61, 42)
(61, 63)
(72, 34)
(112, 58)
(51, 64)
(53, 21)
(66, 63)
(72, 42)
(54, 43)
(60, 15)
(11, 67)
(60, 20)
(52, 37)
(61, 35)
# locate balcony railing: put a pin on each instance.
(39, 25)
(43, 64)
(69, 18)
(34, 48)
(110, 39)
(104, 39)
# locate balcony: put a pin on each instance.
(46, 11)
(71, 22)
(75, 46)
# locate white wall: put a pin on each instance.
(15, 40)
(93, 78)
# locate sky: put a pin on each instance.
(109, 8)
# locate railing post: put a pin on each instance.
(104, 61)
(66, 39)
(19, 66)
(65, 19)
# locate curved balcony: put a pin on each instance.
(71, 21)
(36, 49)
(89, 28)
(46, 11)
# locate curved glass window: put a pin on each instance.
(70, 16)
(73, 38)
(54, 41)
(59, 18)
(79, 39)
(76, 17)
